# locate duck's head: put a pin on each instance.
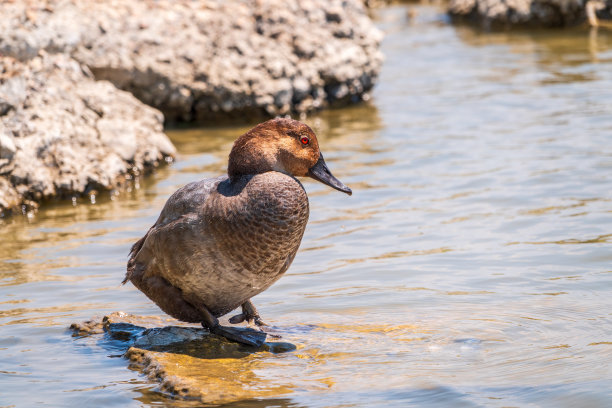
(283, 145)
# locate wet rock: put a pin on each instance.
(118, 324)
(185, 361)
(62, 133)
(209, 60)
(530, 13)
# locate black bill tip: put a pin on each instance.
(321, 173)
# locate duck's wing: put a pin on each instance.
(179, 214)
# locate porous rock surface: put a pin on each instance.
(529, 13)
(203, 60)
(185, 361)
(62, 133)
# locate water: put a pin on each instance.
(471, 266)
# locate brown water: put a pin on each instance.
(471, 267)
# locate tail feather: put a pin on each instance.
(132, 261)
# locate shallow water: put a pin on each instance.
(471, 266)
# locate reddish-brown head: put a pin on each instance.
(283, 145)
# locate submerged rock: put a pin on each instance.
(186, 361)
(530, 13)
(62, 133)
(209, 60)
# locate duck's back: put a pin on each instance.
(220, 242)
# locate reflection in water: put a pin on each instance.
(207, 365)
(571, 47)
(470, 267)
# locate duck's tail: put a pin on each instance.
(132, 261)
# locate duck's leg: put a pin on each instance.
(249, 313)
(249, 337)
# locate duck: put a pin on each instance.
(218, 242)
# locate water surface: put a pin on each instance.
(471, 266)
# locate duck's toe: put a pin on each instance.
(246, 336)
(244, 317)
(257, 320)
(239, 318)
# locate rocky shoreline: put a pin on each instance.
(213, 60)
(530, 13)
(64, 133)
(65, 130)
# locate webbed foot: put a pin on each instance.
(242, 335)
(247, 336)
(249, 314)
(239, 318)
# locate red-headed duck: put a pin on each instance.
(219, 242)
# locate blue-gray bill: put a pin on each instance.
(321, 173)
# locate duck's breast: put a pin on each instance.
(252, 229)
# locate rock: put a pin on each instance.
(62, 133)
(185, 361)
(209, 60)
(118, 324)
(529, 13)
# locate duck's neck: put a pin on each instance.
(251, 155)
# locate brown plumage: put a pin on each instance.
(219, 242)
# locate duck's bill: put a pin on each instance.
(321, 173)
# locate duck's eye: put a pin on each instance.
(305, 140)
